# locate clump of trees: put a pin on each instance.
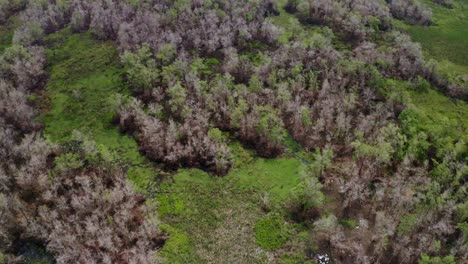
(10, 7)
(354, 18)
(411, 10)
(94, 216)
(72, 205)
(184, 143)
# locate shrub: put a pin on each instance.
(426, 259)
(407, 224)
(141, 68)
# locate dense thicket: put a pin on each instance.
(78, 210)
(200, 68)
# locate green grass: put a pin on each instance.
(438, 115)
(222, 217)
(348, 223)
(448, 38)
(447, 42)
(293, 29)
(177, 247)
(271, 232)
(81, 95)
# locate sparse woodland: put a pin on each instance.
(198, 69)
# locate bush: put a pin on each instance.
(407, 224)
(426, 259)
(141, 69)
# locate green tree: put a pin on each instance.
(322, 160)
(141, 68)
(270, 125)
(425, 259)
(177, 98)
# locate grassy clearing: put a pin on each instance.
(448, 38)
(85, 82)
(223, 217)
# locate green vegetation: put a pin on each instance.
(407, 223)
(82, 93)
(348, 223)
(436, 114)
(177, 248)
(425, 259)
(271, 232)
(222, 216)
(229, 99)
(448, 38)
(6, 33)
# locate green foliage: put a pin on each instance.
(426, 259)
(204, 66)
(418, 146)
(141, 68)
(177, 97)
(441, 172)
(407, 224)
(166, 54)
(463, 227)
(381, 152)
(308, 193)
(306, 116)
(322, 159)
(348, 223)
(255, 85)
(2, 258)
(67, 162)
(421, 85)
(271, 232)
(448, 37)
(177, 248)
(6, 33)
(81, 95)
(216, 134)
(240, 110)
(271, 125)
